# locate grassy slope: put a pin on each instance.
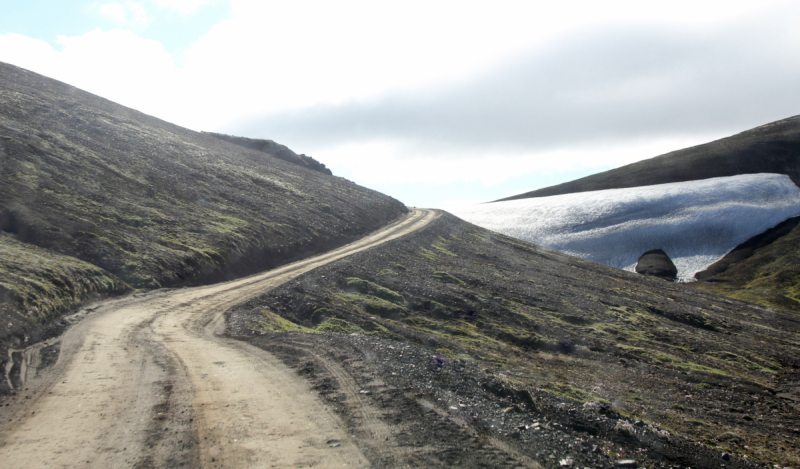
(698, 364)
(765, 269)
(37, 285)
(766, 274)
(128, 197)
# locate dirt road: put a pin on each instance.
(144, 381)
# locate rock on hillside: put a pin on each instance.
(275, 149)
(134, 201)
(657, 263)
(770, 148)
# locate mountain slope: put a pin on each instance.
(770, 148)
(151, 204)
(686, 363)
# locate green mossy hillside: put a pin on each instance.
(38, 286)
(764, 270)
(44, 284)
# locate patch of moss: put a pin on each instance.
(339, 326)
(41, 284)
(661, 358)
(439, 309)
(376, 329)
(428, 254)
(320, 315)
(441, 246)
(373, 289)
(448, 278)
(481, 236)
(462, 328)
(375, 305)
(446, 352)
(565, 389)
(736, 359)
(273, 322)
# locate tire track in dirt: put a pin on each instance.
(145, 382)
(380, 436)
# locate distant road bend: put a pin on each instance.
(144, 381)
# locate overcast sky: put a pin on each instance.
(435, 103)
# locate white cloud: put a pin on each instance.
(183, 7)
(570, 99)
(114, 11)
(137, 14)
(396, 162)
(131, 14)
(117, 65)
(274, 57)
(31, 54)
(354, 49)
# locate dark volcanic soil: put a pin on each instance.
(717, 375)
(444, 412)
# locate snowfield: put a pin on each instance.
(696, 223)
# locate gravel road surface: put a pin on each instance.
(146, 381)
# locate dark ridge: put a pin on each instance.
(275, 149)
(770, 148)
(748, 248)
(765, 269)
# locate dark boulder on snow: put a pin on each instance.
(658, 264)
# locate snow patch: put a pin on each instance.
(696, 223)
